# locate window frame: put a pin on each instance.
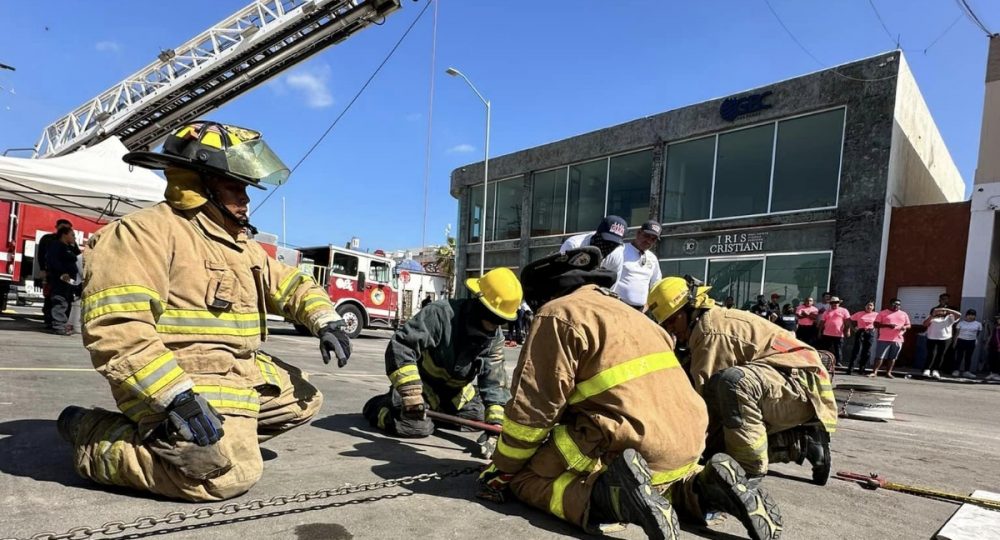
(765, 256)
(770, 188)
(492, 211)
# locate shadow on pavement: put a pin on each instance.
(405, 457)
(35, 450)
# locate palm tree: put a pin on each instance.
(445, 264)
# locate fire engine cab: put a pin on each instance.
(361, 285)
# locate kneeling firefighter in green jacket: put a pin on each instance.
(449, 358)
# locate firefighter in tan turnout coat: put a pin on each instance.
(757, 379)
(174, 307)
(603, 425)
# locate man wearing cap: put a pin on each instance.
(835, 324)
(173, 310)
(445, 353)
(640, 267)
(609, 237)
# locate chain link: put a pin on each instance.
(173, 518)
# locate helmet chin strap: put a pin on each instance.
(242, 222)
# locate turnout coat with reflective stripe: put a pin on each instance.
(171, 301)
(724, 338)
(436, 348)
(596, 377)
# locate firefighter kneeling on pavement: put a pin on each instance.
(442, 353)
(769, 395)
(603, 426)
(173, 311)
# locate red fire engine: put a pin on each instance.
(21, 226)
(361, 285)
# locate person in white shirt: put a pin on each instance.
(938, 336)
(640, 267)
(609, 237)
(969, 330)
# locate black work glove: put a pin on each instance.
(194, 420)
(333, 338)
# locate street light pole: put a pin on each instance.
(486, 168)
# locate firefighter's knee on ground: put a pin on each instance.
(725, 387)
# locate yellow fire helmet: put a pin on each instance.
(672, 293)
(499, 290)
(217, 149)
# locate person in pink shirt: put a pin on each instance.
(864, 336)
(807, 313)
(836, 325)
(892, 324)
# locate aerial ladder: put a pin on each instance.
(186, 82)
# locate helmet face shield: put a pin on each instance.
(255, 159)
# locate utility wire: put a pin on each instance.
(813, 56)
(971, 15)
(942, 34)
(430, 126)
(882, 22)
(350, 103)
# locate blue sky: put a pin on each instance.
(552, 69)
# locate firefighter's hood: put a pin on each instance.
(185, 190)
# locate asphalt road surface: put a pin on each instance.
(945, 436)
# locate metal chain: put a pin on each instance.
(173, 518)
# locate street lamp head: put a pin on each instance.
(453, 72)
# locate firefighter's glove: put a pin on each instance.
(493, 484)
(333, 338)
(487, 443)
(194, 420)
(414, 407)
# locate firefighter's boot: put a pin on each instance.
(723, 486)
(818, 453)
(69, 422)
(623, 494)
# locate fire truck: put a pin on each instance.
(363, 286)
(21, 226)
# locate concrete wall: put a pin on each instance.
(988, 168)
(923, 171)
(867, 88)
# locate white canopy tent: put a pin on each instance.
(93, 182)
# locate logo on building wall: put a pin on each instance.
(738, 243)
(736, 107)
(690, 246)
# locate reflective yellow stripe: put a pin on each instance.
(622, 373)
(121, 299)
(431, 368)
(229, 398)
(752, 451)
(268, 371)
(406, 374)
(575, 459)
(666, 477)
(155, 375)
(830, 425)
(383, 413)
(494, 413)
(288, 285)
(558, 491)
(522, 432)
(198, 321)
(514, 453)
(467, 395)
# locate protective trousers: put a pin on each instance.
(109, 449)
(547, 484)
(385, 413)
(745, 404)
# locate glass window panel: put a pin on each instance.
(587, 187)
(476, 211)
(344, 264)
(688, 186)
(628, 186)
(548, 203)
(795, 277)
(743, 172)
(681, 267)
(807, 161)
(740, 279)
(508, 209)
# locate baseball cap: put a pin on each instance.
(612, 229)
(652, 227)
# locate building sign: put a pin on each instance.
(738, 243)
(736, 107)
